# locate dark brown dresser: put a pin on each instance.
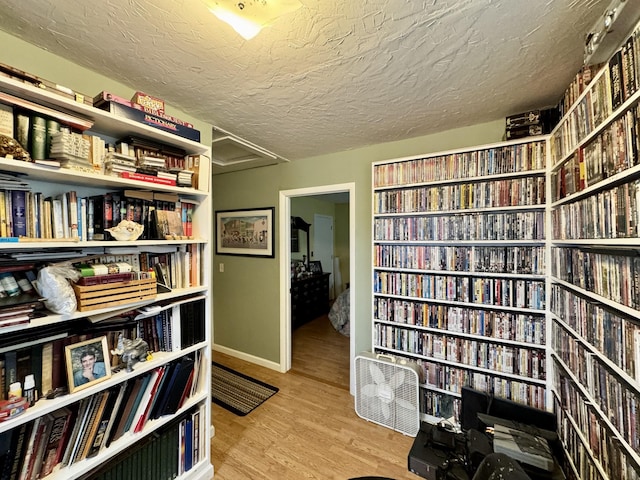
(309, 298)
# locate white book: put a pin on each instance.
(83, 219)
(57, 218)
(64, 205)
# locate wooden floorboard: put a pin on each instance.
(309, 429)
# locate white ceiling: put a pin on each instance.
(332, 76)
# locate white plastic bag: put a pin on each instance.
(55, 288)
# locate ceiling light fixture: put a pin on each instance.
(609, 31)
(248, 17)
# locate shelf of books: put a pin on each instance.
(459, 271)
(595, 289)
(105, 338)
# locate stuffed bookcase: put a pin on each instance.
(131, 254)
(460, 270)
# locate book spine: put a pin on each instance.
(615, 76)
(148, 178)
(19, 212)
(38, 137)
(72, 203)
(22, 127)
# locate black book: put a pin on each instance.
(14, 457)
(102, 216)
(191, 323)
(164, 389)
(615, 77)
(181, 379)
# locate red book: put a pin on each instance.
(151, 399)
(143, 177)
(56, 441)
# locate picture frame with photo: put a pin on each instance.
(87, 363)
(247, 232)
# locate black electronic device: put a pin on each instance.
(437, 453)
(474, 402)
(478, 447)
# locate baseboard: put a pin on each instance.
(247, 358)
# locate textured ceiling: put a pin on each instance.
(332, 76)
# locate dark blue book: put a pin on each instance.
(188, 445)
(19, 213)
(176, 389)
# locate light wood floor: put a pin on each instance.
(309, 429)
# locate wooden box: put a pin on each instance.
(93, 297)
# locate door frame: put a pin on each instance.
(284, 232)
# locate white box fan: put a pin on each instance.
(388, 392)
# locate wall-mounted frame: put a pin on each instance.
(247, 232)
(87, 363)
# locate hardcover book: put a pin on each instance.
(151, 120)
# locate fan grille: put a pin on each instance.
(387, 393)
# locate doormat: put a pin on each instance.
(237, 392)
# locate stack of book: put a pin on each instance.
(185, 178)
(531, 123)
(115, 163)
(151, 163)
(70, 149)
(142, 113)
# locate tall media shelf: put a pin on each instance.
(595, 288)
(186, 307)
(459, 271)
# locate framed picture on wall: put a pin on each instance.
(247, 232)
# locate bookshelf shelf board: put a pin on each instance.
(632, 383)
(464, 180)
(462, 304)
(431, 388)
(58, 319)
(68, 176)
(462, 243)
(104, 121)
(38, 244)
(494, 373)
(44, 406)
(599, 299)
(438, 213)
(583, 440)
(594, 242)
(461, 273)
(454, 333)
(610, 182)
(596, 408)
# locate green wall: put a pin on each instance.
(247, 294)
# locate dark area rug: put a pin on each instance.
(237, 392)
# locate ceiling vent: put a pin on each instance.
(231, 153)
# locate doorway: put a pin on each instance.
(284, 229)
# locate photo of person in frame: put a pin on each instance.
(91, 369)
(87, 363)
